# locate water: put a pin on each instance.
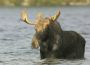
(15, 35)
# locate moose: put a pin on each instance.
(53, 41)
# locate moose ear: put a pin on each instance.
(56, 16)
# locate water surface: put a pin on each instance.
(16, 36)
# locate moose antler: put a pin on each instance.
(24, 17)
(55, 17)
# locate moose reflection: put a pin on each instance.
(53, 41)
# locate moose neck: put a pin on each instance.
(54, 34)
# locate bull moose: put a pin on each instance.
(53, 41)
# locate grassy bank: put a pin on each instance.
(43, 2)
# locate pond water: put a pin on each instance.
(16, 36)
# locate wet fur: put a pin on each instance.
(56, 43)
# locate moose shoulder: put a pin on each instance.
(54, 42)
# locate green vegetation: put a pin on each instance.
(43, 2)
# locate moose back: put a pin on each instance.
(53, 41)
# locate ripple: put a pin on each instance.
(85, 33)
(8, 53)
(7, 39)
(1, 61)
(2, 30)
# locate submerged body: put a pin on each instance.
(60, 44)
(70, 46)
(73, 45)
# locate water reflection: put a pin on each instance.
(61, 62)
